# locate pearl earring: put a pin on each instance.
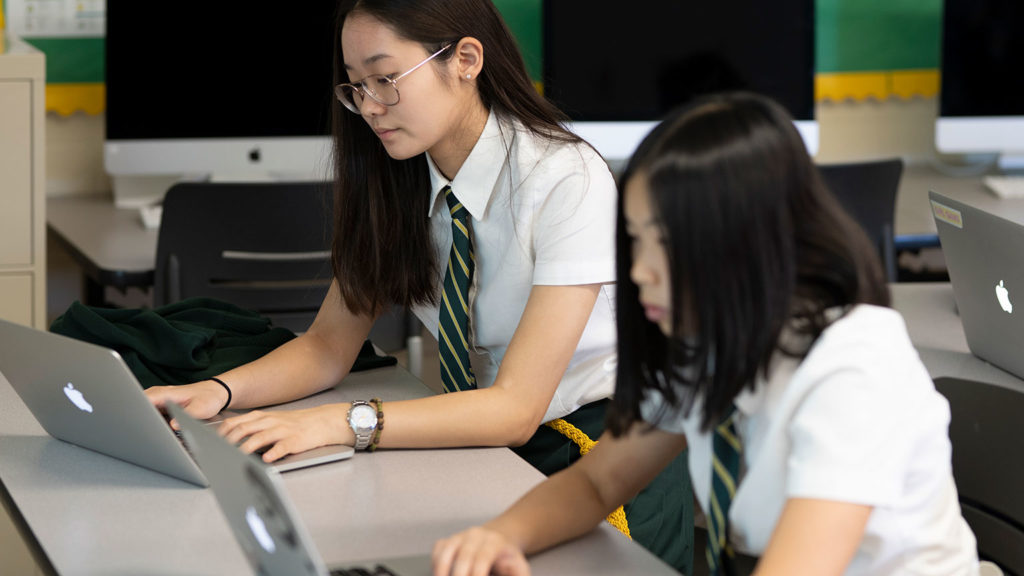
(468, 76)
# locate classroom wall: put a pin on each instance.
(74, 154)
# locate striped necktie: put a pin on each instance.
(725, 468)
(453, 326)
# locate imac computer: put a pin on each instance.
(616, 68)
(231, 91)
(981, 103)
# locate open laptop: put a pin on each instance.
(985, 259)
(85, 394)
(261, 516)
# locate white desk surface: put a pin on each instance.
(913, 213)
(112, 238)
(96, 515)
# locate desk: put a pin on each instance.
(108, 243)
(914, 215)
(935, 329)
(92, 514)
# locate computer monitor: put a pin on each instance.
(618, 67)
(231, 91)
(981, 103)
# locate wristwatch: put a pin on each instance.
(362, 417)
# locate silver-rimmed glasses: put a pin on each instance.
(379, 88)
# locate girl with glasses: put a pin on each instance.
(754, 328)
(460, 195)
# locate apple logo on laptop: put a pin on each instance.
(259, 529)
(77, 398)
(1003, 295)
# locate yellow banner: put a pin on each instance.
(880, 85)
(66, 99)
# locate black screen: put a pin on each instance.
(636, 60)
(982, 58)
(222, 69)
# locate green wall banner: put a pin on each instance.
(872, 35)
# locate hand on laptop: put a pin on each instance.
(479, 551)
(285, 432)
(202, 400)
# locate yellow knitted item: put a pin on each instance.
(616, 518)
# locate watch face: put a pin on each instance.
(363, 417)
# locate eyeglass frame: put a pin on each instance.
(365, 92)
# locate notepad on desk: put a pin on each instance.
(1005, 186)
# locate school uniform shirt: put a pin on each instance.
(543, 214)
(857, 421)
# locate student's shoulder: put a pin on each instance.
(869, 325)
(872, 341)
(554, 156)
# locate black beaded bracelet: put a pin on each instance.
(221, 382)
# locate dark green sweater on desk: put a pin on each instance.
(187, 341)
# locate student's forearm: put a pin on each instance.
(314, 361)
(296, 369)
(564, 507)
(572, 502)
(814, 537)
(485, 417)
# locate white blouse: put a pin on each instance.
(858, 421)
(543, 213)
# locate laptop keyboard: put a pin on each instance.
(377, 571)
(181, 439)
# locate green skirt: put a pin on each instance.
(660, 517)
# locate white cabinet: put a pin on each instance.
(22, 183)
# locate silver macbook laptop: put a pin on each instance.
(985, 259)
(86, 395)
(262, 518)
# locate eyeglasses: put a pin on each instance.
(379, 88)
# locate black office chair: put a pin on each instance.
(867, 190)
(260, 246)
(987, 433)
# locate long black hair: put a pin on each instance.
(382, 250)
(755, 243)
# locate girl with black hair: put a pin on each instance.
(460, 195)
(754, 329)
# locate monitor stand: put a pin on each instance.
(1011, 164)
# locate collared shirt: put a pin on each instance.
(543, 213)
(858, 420)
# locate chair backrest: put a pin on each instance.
(867, 190)
(260, 246)
(987, 433)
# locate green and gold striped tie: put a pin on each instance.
(453, 328)
(725, 470)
